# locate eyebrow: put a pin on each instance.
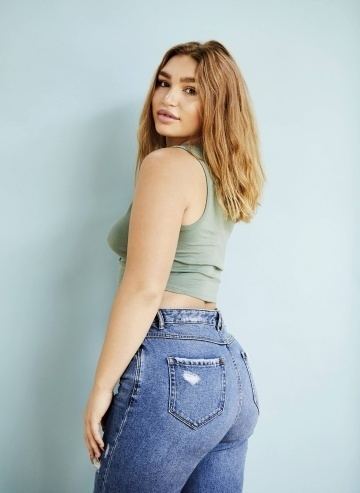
(182, 79)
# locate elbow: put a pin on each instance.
(148, 291)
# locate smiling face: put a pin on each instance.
(177, 92)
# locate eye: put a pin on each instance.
(160, 81)
(192, 89)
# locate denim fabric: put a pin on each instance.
(183, 410)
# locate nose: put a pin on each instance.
(170, 97)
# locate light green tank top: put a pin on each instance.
(200, 254)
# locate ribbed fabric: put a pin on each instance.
(200, 254)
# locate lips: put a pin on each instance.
(167, 113)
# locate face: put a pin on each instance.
(176, 92)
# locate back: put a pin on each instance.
(200, 253)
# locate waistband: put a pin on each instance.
(189, 315)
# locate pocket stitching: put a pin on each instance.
(179, 361)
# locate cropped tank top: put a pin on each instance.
(200, 253)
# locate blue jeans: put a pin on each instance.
(183, 412)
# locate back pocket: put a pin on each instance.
(196, 389)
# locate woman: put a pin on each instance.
(186, 403)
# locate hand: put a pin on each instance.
(97, 405)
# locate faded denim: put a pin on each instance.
(183, 411)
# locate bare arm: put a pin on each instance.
(160, 200)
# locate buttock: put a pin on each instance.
(181, 393)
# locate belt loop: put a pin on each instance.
(161, 319)
(219, 321)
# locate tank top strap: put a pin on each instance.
(196, 151)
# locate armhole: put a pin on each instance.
(207, 178)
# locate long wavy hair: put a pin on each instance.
(229, 135)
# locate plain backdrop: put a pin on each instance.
(73, 78)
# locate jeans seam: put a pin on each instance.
(252, 381)
(135, 387)
(239, 383)
(224, 342)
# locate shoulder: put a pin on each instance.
(172, 172)
(166, 155)
(175, 159)
(165, 172)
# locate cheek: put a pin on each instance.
(196, 114)
(155, 98)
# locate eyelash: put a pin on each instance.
(159, 81)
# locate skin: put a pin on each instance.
(170, 191)
(181, 98)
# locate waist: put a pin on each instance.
(171, 299)
(173, 316)
(195, 284)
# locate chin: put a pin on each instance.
(163, 131)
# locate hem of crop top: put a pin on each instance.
(188, 293)
(171, 287)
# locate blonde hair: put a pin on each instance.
(229, 135)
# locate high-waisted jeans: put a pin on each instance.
(183, 411)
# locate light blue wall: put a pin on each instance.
(73, 76)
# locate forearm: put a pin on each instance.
(130, 318)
